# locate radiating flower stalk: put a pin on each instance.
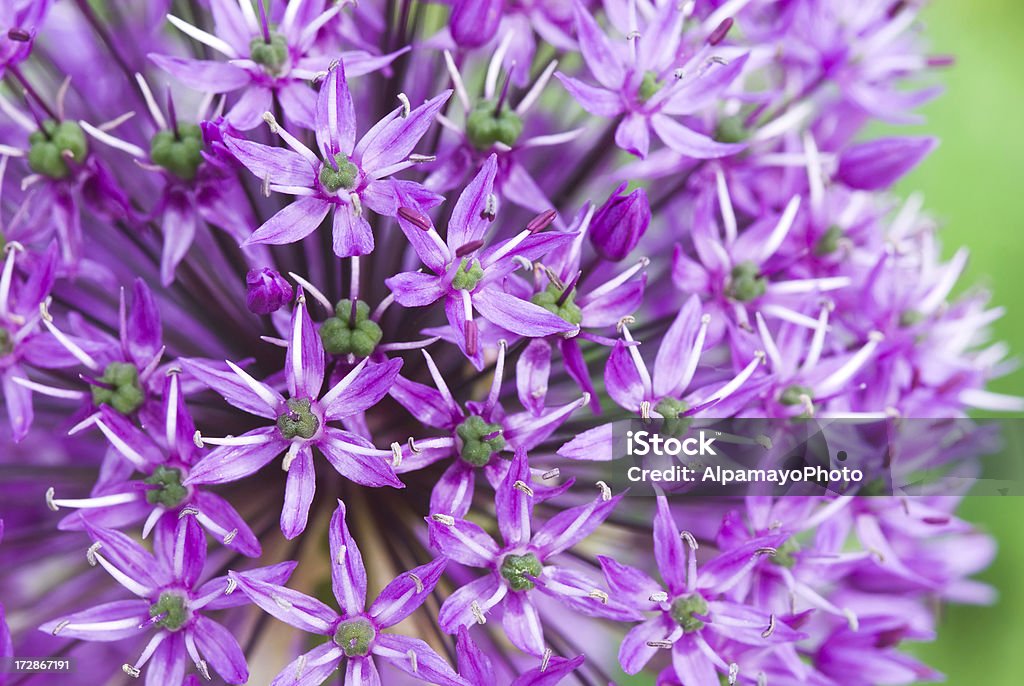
(306, 303)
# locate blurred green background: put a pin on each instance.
(973, 186)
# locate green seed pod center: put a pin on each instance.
(567, 309)
(792, 394)
(6, 344)
(649, 86)
(271, 56)
(344, 177)
(747, 283)
(122, 390)
(355, 637)
(47, 151)
(485, 127)
(477, 449)
(784, 554)
(516, 568)
(172, 606)
(829, 241)
(673, 423)
(169, 491)
(910, 318)
(298, 421)
(683, 610)
(730, 130)
(467, 276)
(341, 338)
(182, 154)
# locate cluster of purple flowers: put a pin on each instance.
(399, 261)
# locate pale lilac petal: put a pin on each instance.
(298, 493)
(143, 339)
(108, 622)
(397, 140)
(629, 584)
(604, 64)
(189, 550)
(514, 504)
(569, 527)
(179, 229)
(576, 590)
(298, 103)
(633, 135)
(348, 574)
(880, 163)
(551, 673)
(127, 556)
(532, 372)
(622, 379)
(522, 623)
(668, 549)
(453, 492)
(468, 222)
(362, 671)
(597, 101)
(231, 387)
(231, 463)
(19, 402)
(335, 115)
(220, 648)
(705, 91)
(291, 607)
(361, 63)
(464, 542)
(457, 609)
(313, 668)
(354, 464)
(474, 665)
(352, 233)
(248, 111)
(272, 574)
(203, 75)
(416, 289)
(634, 653)
(518, 316)
(670, 364)
(593, 444)
(167, 665)
(293, 223)
(363, 389)
(280, 166)
(690, 143)
(406, 593)
(305, 372)
(691, 664)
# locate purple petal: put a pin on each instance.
(593, 444)
(691, 664)
(671, 375)
(231, 387)
(453, 492)
(293, 223)
(576, 590)
(634, 653)
(203, 75)
(19, 402)
(622, 379)
(129, 557)
(416, 289)
(522, 623)
(281, 166)
(668, 549)
(474, 665)
(305, 371)
(532, 372)
(569, 527)
(248, 111)
(108, 622)
(272, 574)
(362, 671)
(406, 593)
(335, 115)
(313, 668)
(597, 101)
(352, 233)
(227, 520)
(597, 50)
(374, 471)
(348, 575)
(518, 316)
(469, 222)
(629, 584)
(880, 163)
(690, 143)
(556, 669)
(291, 607)
(457, 609)
(298, 493)
(298, 103)
(189, 550)
(167, 666)
(396, 141)
(514, 504)
(475, 22)
(220, 648)
(705, 91)
(633, 135)
(142, 339)
(361, 389)
(231, 463)
(428, 666)
(464, 542)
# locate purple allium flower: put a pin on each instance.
(173, 598)
(620, 223)
(355, 633)
(346, 176)
(301, 423)
(267, 291)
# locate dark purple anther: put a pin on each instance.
(718, 35)
(468, 248)
(541, 221)
(415, 218)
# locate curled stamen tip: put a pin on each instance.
(521, 486)
(268, 117)
(734, 671)
(659, 644)
(771, 552)
(477, 613)
(771, 627)
(44, 310)
(396, 454)
(406, 105)
(550, 474)
(230, 536)
(203, 669)
(412, 658)
(357, 204)
(764, 441)
(174, 371)
(633, 35)
(14, 246)
(197, 438)
(624, 322)
(232, 585)
(90, 554)
(188, 510)
(60, 626)
(416, 580)
(658, 597)
(447, 520)
(413, 447)
(645, 409)
(49, 499)
(130, 671)
(606, 491)
(876, 336)
(705, 319)
(851, 619)
(690, 540)
(599, 595)
(545, 660)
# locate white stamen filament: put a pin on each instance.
(837, 379)
(68, 344)
(725, 207)
(781, 230)
(113, 141)
(51, 391)
(533, 95)
(457, 82)
(90, 503)
(638, 362)
(129, 452)
(494, 67)
(264, 392)
(203, 37)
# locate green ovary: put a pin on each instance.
(567, 309)
(271, 56)
(299, 421)
(792, 395)
(174, 609)
(169, 491)
(468, 276)
(122, 390)
(671, 410)
(484, 127)
(6, 344)
(355, 637)
(179, 154)
(359, 339)
(49, 147)
(344, 177)
(829, 241)
(683, 610)
(476, 449)
(649, 86)
(747, 283)
(516, 568)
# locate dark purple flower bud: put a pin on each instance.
(474, 22)
(267, 291)
(619, 224)
(878, 164)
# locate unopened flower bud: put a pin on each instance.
(619, 224)
(267, 291)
